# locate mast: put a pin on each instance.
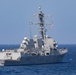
(41, 24)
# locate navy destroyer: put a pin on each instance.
(38, 50)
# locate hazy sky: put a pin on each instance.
(15, 16)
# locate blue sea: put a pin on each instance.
(68, 67)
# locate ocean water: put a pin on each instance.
(67, 67)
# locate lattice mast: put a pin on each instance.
(41, 23)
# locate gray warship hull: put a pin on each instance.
(33, 60)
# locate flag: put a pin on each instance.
(52, 26)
